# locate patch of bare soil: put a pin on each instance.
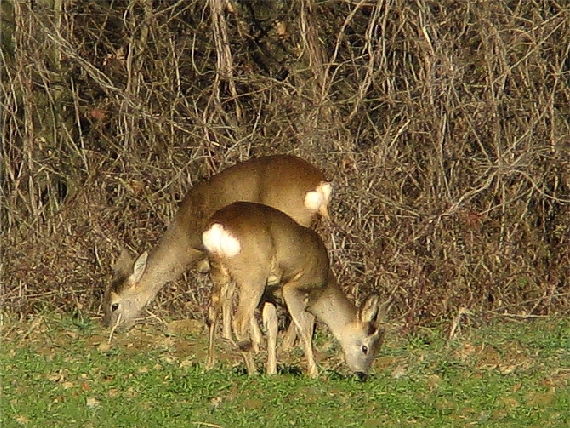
(179, 339)
(510, 357)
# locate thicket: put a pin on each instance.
(444, 125)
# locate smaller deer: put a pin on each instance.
(270, 256)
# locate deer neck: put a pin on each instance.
(181, 245)
(170, 258)
(333, 308)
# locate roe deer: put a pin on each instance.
(250, 243)
(285, 182)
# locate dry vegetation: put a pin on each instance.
(445, 126)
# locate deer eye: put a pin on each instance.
(364, 349)
(114, 307)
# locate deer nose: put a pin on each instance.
(362, 376)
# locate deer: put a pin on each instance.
(250, 243)
(285, 182)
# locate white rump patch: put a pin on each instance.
(318, 200)
(218, 240)
(313, 200)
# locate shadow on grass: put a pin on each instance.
(296, 371)
(356, 377)
(281, 370)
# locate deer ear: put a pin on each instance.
(123, 264)
(383, 310)
(369, 309)
(139, 268)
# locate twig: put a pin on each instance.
(152, 315)
(113, 329)
(522, 317)
(457, 320)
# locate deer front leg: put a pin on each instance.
(305, 325)
(295, 300)
(255, 335)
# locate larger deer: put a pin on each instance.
(250, 243)
(285, 182)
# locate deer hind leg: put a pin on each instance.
(296, 304)
(221, 282)
(226, 299)
(227, 294)
(249, 298)
(269, 315)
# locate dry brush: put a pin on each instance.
(445, 126)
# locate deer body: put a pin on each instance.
(250, 243)
(285, 182)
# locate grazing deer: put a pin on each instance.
(250, 243)
(285, 182)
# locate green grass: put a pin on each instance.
(55, 374)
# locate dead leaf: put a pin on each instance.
(215, 402)
(433, 381)
(113, 393)
(399, 371)
(506, 368)
(21, 419)
(281, 28)
(104, 347)
(92, 402)
(185, 363)
(56, 377)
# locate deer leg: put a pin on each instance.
(227, 294)
(212, 321)
(269, 315)
(220, 280)
(226, 300)
(295, 300)
(289, 337)
(249, 299)
(255, 334)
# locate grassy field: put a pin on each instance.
(59, 372)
